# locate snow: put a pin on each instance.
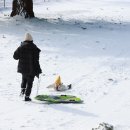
(86, 43)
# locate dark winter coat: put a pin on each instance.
(28, 55)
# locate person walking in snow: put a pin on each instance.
(28, 55)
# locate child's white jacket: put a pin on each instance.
(61, 87)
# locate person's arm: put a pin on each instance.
(36, 62)
(16, 54)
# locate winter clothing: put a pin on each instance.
(61, 87)
(28, 55)
(26, 85)
(58, 81)
(28, 37)
(22, 91)
(28, 99)
(58, 85)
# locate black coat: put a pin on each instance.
(28, 55)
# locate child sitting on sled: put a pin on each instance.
(59, 86)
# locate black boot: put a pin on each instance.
(22, 91)
(27, 99)
(69, 86)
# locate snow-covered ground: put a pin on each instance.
(86, 42)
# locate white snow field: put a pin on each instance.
(87, 43)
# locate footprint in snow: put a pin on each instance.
(97, 41)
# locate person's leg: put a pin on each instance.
(23, 84)
(30, 80)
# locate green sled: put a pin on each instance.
(59, 98)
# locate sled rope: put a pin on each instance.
(38, 85)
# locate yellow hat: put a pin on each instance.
(58, 81)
